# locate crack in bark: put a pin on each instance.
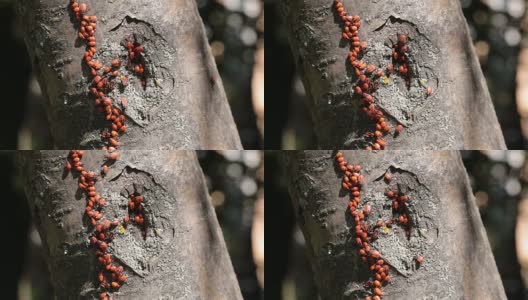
(130, 19)
(395, 168)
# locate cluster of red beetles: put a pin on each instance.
(111, 275)
(364, 233)
(103, 79)
(399, 207)
(399, 57)
(135, 208)
(369, 75)
(135, 60)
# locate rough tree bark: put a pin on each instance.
(184, 255)
(458, 115)
(447, 229)
(184, 105)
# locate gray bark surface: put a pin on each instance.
(458, 115)
(181, 108)
(184, 255)
(447, 229)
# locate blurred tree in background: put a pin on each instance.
(497, 180)
(235, 29)
(236, 184)
(498, 29)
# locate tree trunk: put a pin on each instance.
(457, 115)
(183, 104)
(183, 255)
(445, 225)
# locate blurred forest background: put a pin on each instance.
(235, 180)
(500, 184)
(499, 31)
(235, 29)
